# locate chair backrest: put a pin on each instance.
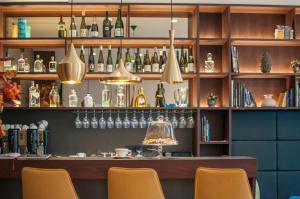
(47, 184)
(140, 183)
(222, 183)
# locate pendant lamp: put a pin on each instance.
(121, 75)
(71, 70)
(172, 74)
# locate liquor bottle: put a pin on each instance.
(7, 62)
(155, 64)
(160, 96)
(100, 65)
(91, 60)
(186, 62)
(164, 59)
(138, 62)
(43, 66)
(106, 97)
(161, 61)
(34, 95)
(128, 63)
(38, 65)
(191, 64)
(140, 100)
(52, 65)
(82, 58)
(118, 57)
(120, 96)
(88, 100)
(27, 66)
(73, 30)
(147, 63)
(94, 29)
(61, 28)
(119, 26)
(21, 64)
(73, 99)
(106, 26)
(83, 28)
(181, 62)
(109, 62)
(54, 97)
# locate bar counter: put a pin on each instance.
(95, 168)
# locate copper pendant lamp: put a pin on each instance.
(71, 70)
(172, 74)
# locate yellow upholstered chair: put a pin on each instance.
(222, 183)
(140, 183)
(47, 184)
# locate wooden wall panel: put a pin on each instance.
(210, 25)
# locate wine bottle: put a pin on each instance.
(119, 55)
(186, 62)
(21, 63)
(128, 63)
(177, 56)
(61, 28)
(83, 28)
(91, 60)
(73, 30)
(160, 96)
(138, 62)
(82, 58)
(119, 26)
(181, 62)
(109, 61)
(94, 29)
(164, 59)
(147, 62)
(191, 64)
(155, 64)
(100, 65)
(106, 26)
(161, 61)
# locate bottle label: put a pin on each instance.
(73, 33)
(91, 67)
(21, 67)
(191, 67)
(7, 65)
(128, 66)
(52, 67)
(119, 32)
(100, 67)
(83, 32)
(88, 101)
(109, 68)
(155, 67)
(163, 67)
(27, 68)
(147, 68)
(94, 33)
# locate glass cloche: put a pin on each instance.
(160, 133)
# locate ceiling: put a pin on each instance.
(261, 2)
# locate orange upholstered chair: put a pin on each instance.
(138, 183)
(47, 184)
(222, 183)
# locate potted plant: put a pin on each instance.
(295, 64)
(212, 100)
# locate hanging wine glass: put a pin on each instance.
(110, 121)
(102, 121)
(94, 121)
(174, 120)
(118, 121)
(182, 120)
(150, 118)
(190, 121)
(142, 122)
(86, 121)
(133, 28)
(126, 121)
(166, 118)
(134, 122)
(78, 122)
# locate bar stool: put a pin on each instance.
(222, 183)
(125, 183)
(47, 184)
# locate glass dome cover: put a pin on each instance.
(160, 133)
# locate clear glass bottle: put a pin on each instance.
(209, 64)
(52, 65)
(73, 99)
(34, 95)
(88, 100)
(121, 96)
(21, 64)
(54, 97)
(106, 97)
(27, 66)
(38, 65)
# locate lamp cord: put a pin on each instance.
(71, 19)
(121, 41)
(171, 14)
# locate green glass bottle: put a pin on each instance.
(83, 28)
(119, 26)
(147, 62)
(186, 62)
(181, 61)
(155, 64)
(82, 58)
(164, 59)
(138, 62)
(191, 64)
(91, 60)
(106, 26)
(119, 55)
(128, 63)
(100, 65)
(109, 61)
(61, 28)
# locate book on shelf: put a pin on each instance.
(205, 129)
(241, 96)
(235, 66)
(297, 94)
(287, 98)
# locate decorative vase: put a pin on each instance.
(266, 63)
(268, 101)
(211, 102)
(296, 69)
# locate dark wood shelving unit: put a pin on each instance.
(211, 28)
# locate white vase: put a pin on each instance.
(268, 101)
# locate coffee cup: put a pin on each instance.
(121, 152)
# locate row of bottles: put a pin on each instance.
(155, 64)
(91, 30)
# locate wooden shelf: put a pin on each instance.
(262, 75)
(214, 108)
(213, 75)
(265, 42)
(212, 41)
(214, 142)
(261, 9)
(212, 8)
(264, 108)
(32, 42)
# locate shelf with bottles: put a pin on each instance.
(297, 25)
(214, 92)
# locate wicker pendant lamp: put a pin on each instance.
(71, 70)
(172, 74)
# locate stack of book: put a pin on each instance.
(287, 99)
(205, 129)
(241, 96)
(235, 66)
